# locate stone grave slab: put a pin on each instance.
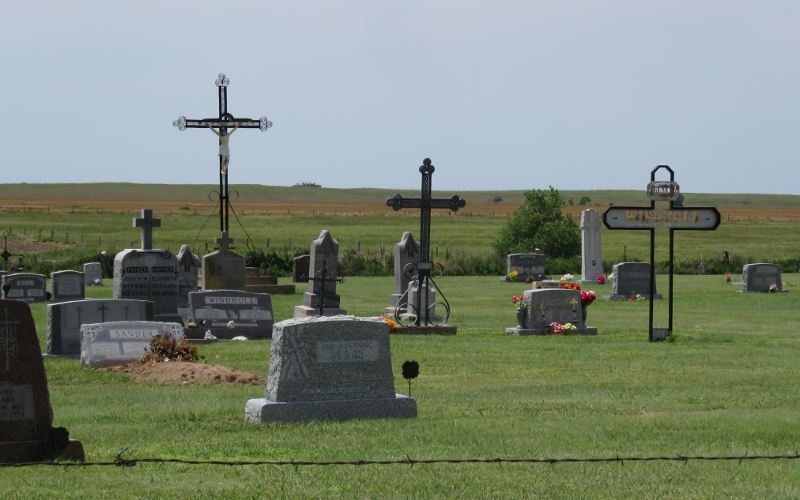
(300, 268)
(760, 276)
(92, 273)
(67, 286)
(27, 287)
(250, 312)
(330, 368)
(147, 275)
(547, 305)
(406, 258)
(26, 417)
(322, 289)
(591, 249)
(64, 320)
(631, 278)
(188, 268)
(119, 342)
(223, 269)
(529, 266)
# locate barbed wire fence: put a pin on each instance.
(123, 461)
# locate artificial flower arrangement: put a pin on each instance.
(392, 323)
(587, 297)
(728, 278)
(774, 288)
(559, 329)
(512, 276)
(568, 282)
(636, 297)
(519, 301)
(601, 278)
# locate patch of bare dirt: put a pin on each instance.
(181, 372)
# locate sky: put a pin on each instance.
(500, 94)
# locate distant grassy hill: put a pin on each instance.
(13, 193)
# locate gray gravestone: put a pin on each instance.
(324, 253)
(92, 273)
(428, 300)
(406, 257)
(147, 275)
(300, 268)
(529, 266)
(548, 305)
(64, 320)
(759, 277)
(591, 250)
(188, 267)
(119, 342)
(26, 417)
(67, 286)
(27, 287)
(214, 310)
(223, 269)
(327, 368)
(631, 278)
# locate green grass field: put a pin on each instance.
(726, 386)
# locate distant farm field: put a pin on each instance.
(59, 220)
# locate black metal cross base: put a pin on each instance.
(672, 218)
(425, 266)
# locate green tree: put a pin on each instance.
(539, 223)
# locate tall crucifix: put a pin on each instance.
(425, 203)
(651, 218)
(225, 125)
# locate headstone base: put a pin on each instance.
(263, 411)
(309, 312)
(625, 297)
(33, 451)
(426, 330)
(197, 335)
(589, 330)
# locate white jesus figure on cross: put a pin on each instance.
(224, 150)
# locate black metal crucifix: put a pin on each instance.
(322, 277)
(425, 203)
(649, 219)
(223, 122)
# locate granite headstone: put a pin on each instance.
(223, 269)
(406, 257)
(760, 277)
(26, 417)
(528, 266)
(548, 305)
(188, 267)
(591, 250)
(300, 268)
(119, 342)
(324, 255)
(231, 313)
(67, 286)
(27, 287)
(92, 273)
(330, 368)
(147, 275)
(64, 320)
(631, 278)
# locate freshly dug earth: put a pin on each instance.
(181, 372)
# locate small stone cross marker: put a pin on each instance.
(224, 242)
(146, 223)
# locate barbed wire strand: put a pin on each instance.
(122, 461)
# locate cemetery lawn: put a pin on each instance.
(727, 385)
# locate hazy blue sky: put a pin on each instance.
(500, 94)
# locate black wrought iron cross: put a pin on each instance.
(223, 122)
(425, 203)
(146, 223)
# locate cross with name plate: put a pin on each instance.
(674, 218)
(223, 123)
(424, 267)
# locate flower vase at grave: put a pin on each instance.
(585, 311)
(522, 317)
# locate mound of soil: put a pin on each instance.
(180, 372)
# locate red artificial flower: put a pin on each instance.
(728, 278)
(601, 278)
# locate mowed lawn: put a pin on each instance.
(727, 385)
